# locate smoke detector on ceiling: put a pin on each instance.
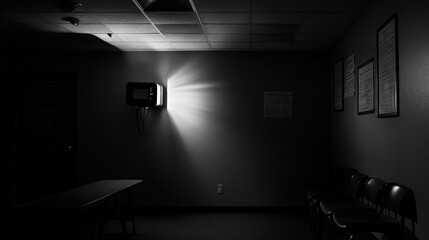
(72, 20)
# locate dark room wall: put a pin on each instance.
(395, 149)
(212, 131)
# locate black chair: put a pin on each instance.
(396, 200)
(343, 190)
(326, 205)
(366, 197)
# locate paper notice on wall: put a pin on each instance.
(366, 88)
(349, 76)
(278, 104)
(387, 78)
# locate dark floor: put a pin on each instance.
(224, 225)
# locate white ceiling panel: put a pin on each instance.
(86, 28)
(338, 6)
(179, 28)
(227, 28)
(231, 45)
(185, 37)
(229, 37)
(280, 5)
(330, 18)
(141, 46)
(277, 18)
(223, 5)
(125, 6)
(272, 38)
(232, 18)
(120, 17)
(48, 28)
(200, 45)
(221, 24)
(141, 37)
(302, 46)
(172, 18)
(274, 28)
(322, 29)
(107, 38)
(315, 37)
(271, 46)
(131, 28)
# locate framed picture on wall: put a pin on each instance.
(388, 69)
(338, 84)
(365, 87)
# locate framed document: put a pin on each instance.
(365, 88)
(338, 86)
(349, 76)
(277, 104)
(388, 70)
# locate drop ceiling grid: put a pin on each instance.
(225, 24)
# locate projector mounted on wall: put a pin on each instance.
(142, 96)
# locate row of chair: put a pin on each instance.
(353, 203)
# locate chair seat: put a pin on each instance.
(369, 221)
(327, 206)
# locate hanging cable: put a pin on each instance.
(141, 115)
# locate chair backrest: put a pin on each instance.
(400, 200)
(372, 191)
(356, 184)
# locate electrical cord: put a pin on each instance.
(141, 115)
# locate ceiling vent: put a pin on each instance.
(166, 5)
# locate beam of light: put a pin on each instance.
(193, 102)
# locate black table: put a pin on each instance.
(73, 202)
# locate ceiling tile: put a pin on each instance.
(229, 37)
(301, 46)
(277, 18)
(338, 5)
(316, 38)
(121, 17)
(229, 45)
(227, 28)
(321, 29)
(106, 38)
(329, 18)
(179, 28)
(271, 46)
(185, 37)
(141, 37)
(233, 18)
(172, 18)
(280, 5)
(272, 37)
(49, 28)
(112, 6)
(200, 45)
(223, 5)
(86, 28)
(275, 28)
(131, 28)
(56, 17)
(128, 46)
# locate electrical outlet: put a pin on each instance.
(220, 189)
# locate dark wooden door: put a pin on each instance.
(47, 135)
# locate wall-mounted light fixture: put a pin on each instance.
(72, 20)
(143, 96)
